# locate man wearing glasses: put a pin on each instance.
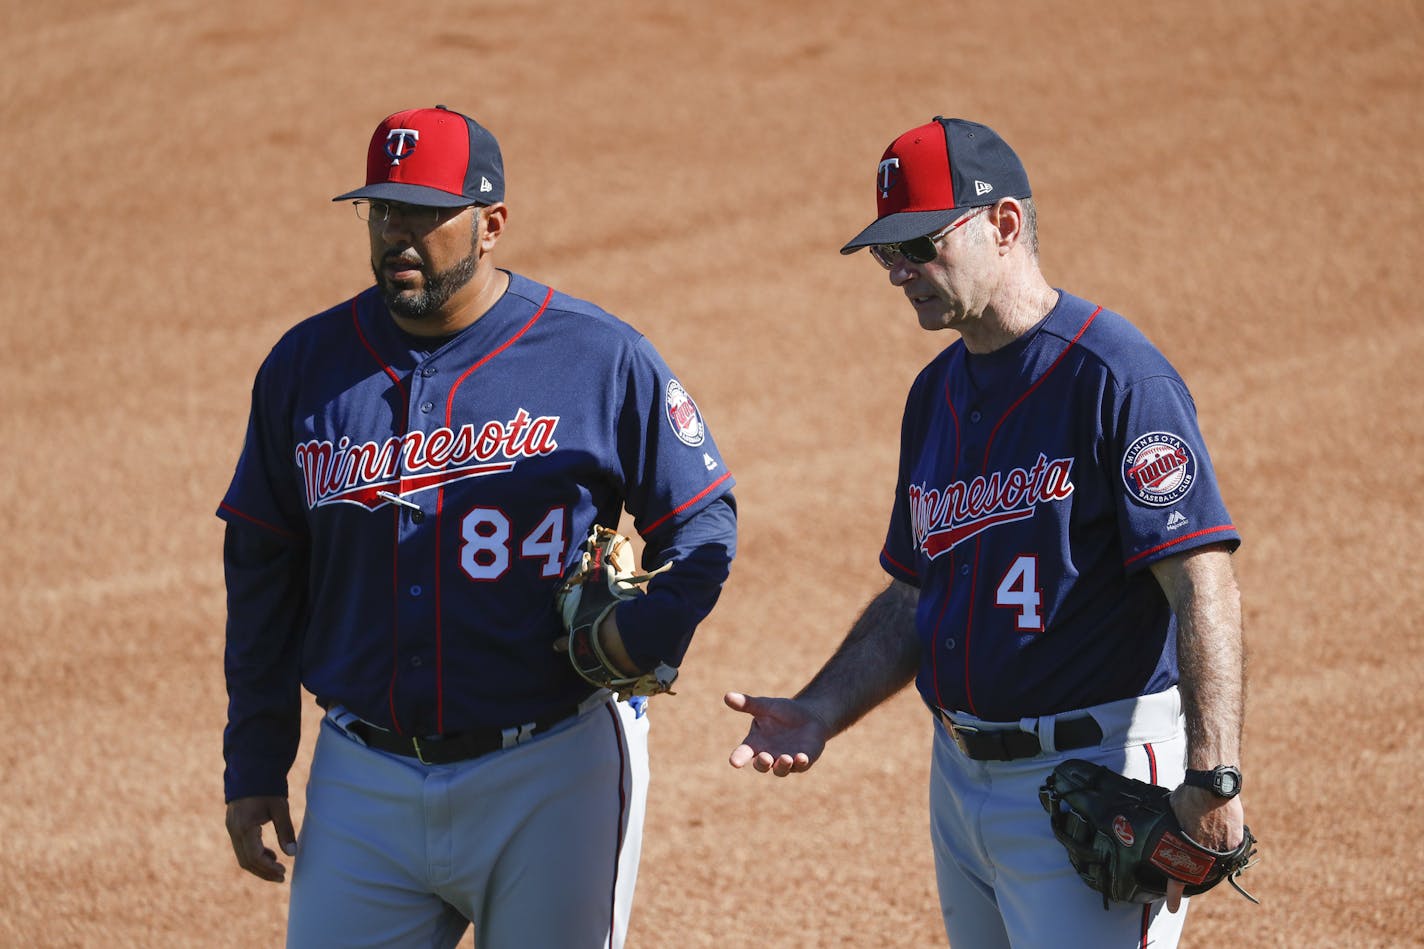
(422, 465)
(1059, 553)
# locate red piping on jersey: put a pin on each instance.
(685, 505)
(450, 402)
(621, 738)
(897, 564)
(988, 446)
(440, 510)
(1041, 379)
(395, 520)
(1173, 543)
(356, 321)
(247, 517)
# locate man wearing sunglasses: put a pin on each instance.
(1059, 553)
(422, 466)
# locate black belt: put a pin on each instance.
(1011, 744)
(462, 746)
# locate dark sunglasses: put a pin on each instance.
(919, 250)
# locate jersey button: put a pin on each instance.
(949, 643)
(975, 416)
(426, 406)
(964, 570)
(415, 660)
(415, 590)
(428, 371)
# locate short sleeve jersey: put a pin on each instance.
(443, 494)
(1036, 485)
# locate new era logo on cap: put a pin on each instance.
(434, 157)
(933, 174)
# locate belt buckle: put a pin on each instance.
(955, 731)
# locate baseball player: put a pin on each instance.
(422, 465)
(1059, 553)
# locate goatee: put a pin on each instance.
(438, 289)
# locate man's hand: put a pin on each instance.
(1210, 821)
(785, 737)
(245, 817)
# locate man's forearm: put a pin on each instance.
(878, 658)
(1207, 603)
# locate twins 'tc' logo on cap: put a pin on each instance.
(682, 415)
(1158, 469)
(400, 143)
(888, 176)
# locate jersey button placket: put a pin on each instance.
(426, 406)
(950, 642)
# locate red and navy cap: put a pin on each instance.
(434, 157)
(935, 172)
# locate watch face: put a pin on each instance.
(1228, 782)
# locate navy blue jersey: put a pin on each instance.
(1036, 485)
(430, 503)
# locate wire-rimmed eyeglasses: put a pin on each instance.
(919, 250)
(417, 216)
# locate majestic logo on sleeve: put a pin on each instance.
(347, 472)
(683, 416)
(942, 520)
(1158, 469)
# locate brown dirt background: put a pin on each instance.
(1240, 179)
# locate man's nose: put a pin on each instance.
(903, 272)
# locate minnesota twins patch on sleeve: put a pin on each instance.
(683, 416)
(1158, 469)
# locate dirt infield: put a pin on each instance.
(1241, 180)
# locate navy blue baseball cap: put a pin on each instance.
(434, 157)
(935, 172)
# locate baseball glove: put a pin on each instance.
(601, 579)
(1124, 840)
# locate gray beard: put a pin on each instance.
(439, 288)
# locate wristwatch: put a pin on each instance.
(1223, 780)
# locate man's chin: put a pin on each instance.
(408, 304)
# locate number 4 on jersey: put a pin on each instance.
(1019, 590)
